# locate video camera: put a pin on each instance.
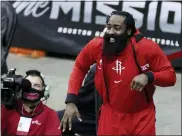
(11, 86)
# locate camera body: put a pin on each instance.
(11, 86)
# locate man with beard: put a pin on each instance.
(129, 67)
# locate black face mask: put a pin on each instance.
(32, 95)
(114, 44)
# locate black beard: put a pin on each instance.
(114, 48)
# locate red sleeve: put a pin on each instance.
(52, 127)
(84, 60)
(162, 73)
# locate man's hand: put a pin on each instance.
(139, 82)
(70, 111)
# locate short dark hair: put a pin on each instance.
(129, 20)
(35, 73)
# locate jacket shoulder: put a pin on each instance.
(48, 109)
(96, 42)
(50, 113)
(97, 39)
(149, 42)
(147, 45)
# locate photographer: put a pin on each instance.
(30, 116)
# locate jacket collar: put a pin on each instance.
(37, 110)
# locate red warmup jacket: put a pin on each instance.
(46, 123)
(119, 72)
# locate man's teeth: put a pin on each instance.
(112, 40)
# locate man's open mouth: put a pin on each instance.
(31, 96)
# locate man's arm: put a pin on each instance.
(53, 127)
(162, 73)
(8, 27)
(85, 59)
(3, 35)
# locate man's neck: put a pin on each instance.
(27, 108)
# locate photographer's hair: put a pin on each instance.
(129, 20)
(35, 73)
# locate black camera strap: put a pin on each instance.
(106, 85)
